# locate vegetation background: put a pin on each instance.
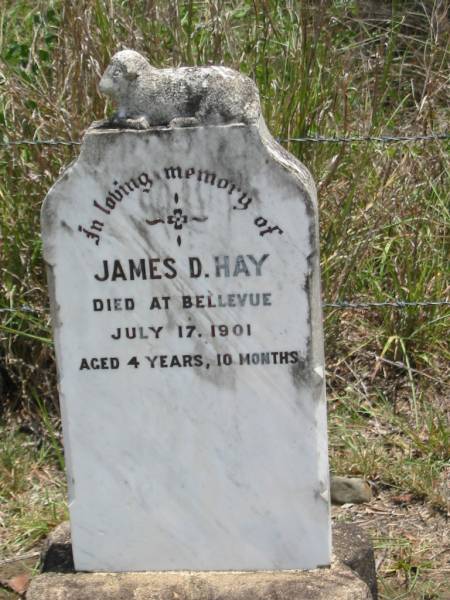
(324, 67)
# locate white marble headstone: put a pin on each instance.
(184, 284)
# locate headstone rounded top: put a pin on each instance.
(147, 96)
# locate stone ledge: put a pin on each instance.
(351, 546)
(337, 582)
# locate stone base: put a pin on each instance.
(337, 582)
(350, 577)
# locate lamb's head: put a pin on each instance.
(126, 66)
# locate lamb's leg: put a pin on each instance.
(131, 123)
(184, 122)
(138, 123)
(117, 122)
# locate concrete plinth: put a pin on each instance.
(350, 577)
(337, 582)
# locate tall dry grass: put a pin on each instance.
(323, 67)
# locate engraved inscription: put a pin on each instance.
(121, 193)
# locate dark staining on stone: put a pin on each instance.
(66, 226)
(307, 287)
(144, 234)
(223, 146)
(312, 261)
(300, 373)
(318, 494)
(142, 230)
(48, 215)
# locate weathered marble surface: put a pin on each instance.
(201, 467)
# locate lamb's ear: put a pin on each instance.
(131, 75)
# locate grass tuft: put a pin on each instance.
(32, 490)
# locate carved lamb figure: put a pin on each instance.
(147, 96)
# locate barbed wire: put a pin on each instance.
(40, 143)
(340, 304)
(387, 303)
(384, 139)
(338, 139)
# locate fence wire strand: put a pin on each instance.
(339, 304)
(385, 304)
(384, 139)
(40, 143)
(338, 139)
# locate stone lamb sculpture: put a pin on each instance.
(186, 96)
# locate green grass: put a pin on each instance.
(32, 491)
(409, 572)
(369, 438)
(331, 67)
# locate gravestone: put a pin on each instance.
(184, 282)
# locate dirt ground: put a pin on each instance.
(412, 545)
